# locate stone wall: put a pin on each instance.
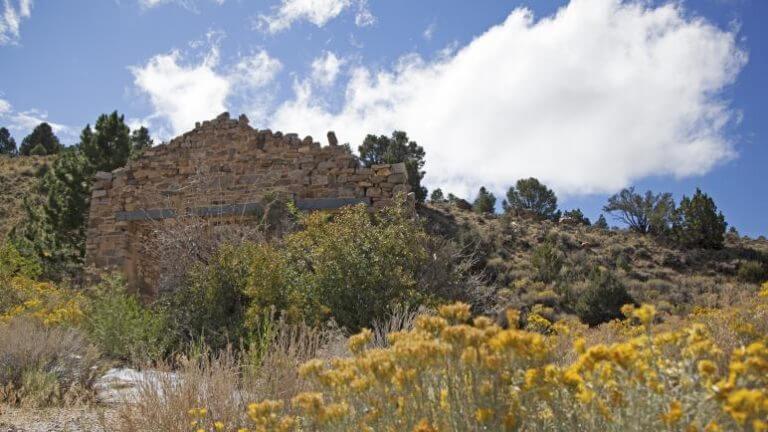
(222, 167)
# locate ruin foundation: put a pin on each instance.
(241, 167)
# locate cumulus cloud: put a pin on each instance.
(10, 20)
(22, 122)
(326, 68)
(589, 100)
(318, 12)
(182, 93)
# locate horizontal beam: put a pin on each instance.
(238, 209)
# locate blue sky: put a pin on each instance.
(587, 95)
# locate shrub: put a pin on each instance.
(445, 374)
(752, 272)
(547, 260)
(210, 306)
(122, 327)
(41, 365)
(357, 264)
(601, 298)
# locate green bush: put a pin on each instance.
(357, 265)
(210, 305)
(547, 260)
(122, 327)
(601, 298)
(752, 272)
(699, 224)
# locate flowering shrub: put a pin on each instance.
(455, 373)
(44, 301)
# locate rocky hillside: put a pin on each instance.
(530, 263)
(18, 178)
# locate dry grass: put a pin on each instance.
(227, 381)
(42, 366)
(18, 179)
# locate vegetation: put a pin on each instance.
(485, 202)
(452, 372)
(398, 148)
(700, 225)
(7, 143)
(531, 196)
(42, 141)
(649, 213)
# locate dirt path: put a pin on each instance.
(79, 419)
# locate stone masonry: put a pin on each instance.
(242, 166)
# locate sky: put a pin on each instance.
(589, 96)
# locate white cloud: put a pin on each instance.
(22, 122)
(429, 31)
(589, 100)
(326, 68)
(318, 12)
(183, 93)
(10, 20)
(255, 71)
(186, 4)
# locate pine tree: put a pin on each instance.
(485, 201)
(699, 224)
(530, 195)
(140, 141)
(7, 143)
(601, 223)
(54, 230)
(108, 146)
(437, 196)
(42, 136)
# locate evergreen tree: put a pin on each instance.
(601, 223)
(700, 225)
(140, 141)
(390, 150)
(530, 195)
(109, 145)
(42, 136)
(7, 143)
(437, 196)
(485, 201)
(54, 230)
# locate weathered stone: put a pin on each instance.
(332, 140)
(221, 169)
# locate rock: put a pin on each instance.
(332, 141)
(123, 385)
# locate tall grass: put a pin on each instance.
(42, 365)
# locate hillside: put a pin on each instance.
(514, 255)
(18, 178)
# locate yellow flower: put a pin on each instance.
(219, 426)
(674, 413)
(358, 342)
(707, 368)
(645, 313)
(457, 312)
(482, 415)
(424, 426)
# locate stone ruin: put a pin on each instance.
(243, 166)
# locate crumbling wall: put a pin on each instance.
(240, 166)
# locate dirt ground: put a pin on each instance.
(77, 419)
